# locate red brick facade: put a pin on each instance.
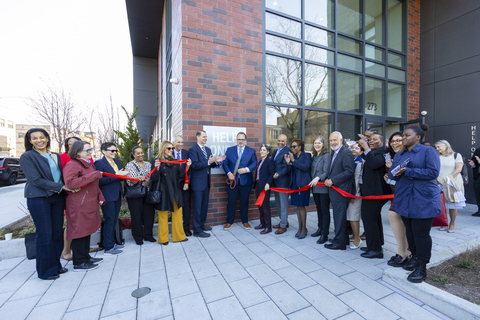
(413, 56)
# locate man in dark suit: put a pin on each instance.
(240, 178)
(341, 175)
(202, 162)
(281, 179)
(181, 154)
(372, 183)
(475, 164)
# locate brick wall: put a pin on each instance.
(413, 63)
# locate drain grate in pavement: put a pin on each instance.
(141, 292)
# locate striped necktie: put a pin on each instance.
(204, 152)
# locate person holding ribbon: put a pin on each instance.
(354, 210)
(142, 213)
(169, 175)
(112, 191)
(263, 180)
(300, 177)
(182, 154)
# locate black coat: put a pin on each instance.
(169, 176)
(477, 164)
(373, 172)
(266, 174)
(342, 174)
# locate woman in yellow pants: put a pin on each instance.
(169, 176)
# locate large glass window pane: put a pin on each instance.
(283, 25)
(396, 60)
(347, 62)
(349, 45)
(319, 36)
(374, 21)
(319, 55)
(291, 7)
(395, 74)
(317, 123)
(349, 126)
(396, 25)
(283, 80)
(320, 12)
(396, 100)
(374, 53)
(350, 17)
(375, 69)
(349, 93)
(282, 120)
(283, 46)
(374, 96)
(319, 82)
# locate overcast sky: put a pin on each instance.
(84, 45)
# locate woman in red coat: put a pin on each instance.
(83, 214)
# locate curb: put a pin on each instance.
(445, 302)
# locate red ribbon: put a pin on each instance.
(261, 197)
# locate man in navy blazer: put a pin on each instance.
(181, 154)
(202, 162)
(341, 175)
(281, 180)
(240, 178)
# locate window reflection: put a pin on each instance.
(282, 120)
(319, 82)
(374, 53)
(396, 60)
(396, 98)
(283, 46)
(349, 126)
(291, 7)
(349, 93)
(374, 21)
(375, 69)
(349, 45)
(347, 62)
(396, 25)
(350, 17)
(283, 80)
(319, 55)
(320, 12)
(374, 96)
(283, 25)
(395, 74)
(319, 36)
(317, 123)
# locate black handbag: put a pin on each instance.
(136, 191)
(154, 196)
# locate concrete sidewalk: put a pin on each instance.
(235, 274)
(13, 204)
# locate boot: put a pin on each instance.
(419, 274)
(411, 264)
(317, 233)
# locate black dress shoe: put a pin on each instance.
(331, 246)
(364, 248)
(476, 214)
(164, 243)
(419, 274)
(202, 235)
(411, 264)
(322, 239)
(62, 270)
(150, 239)
(56, 276)
(139, 243)
(188, 233)
(317, 233)
(372, 254)
(396, 261)
(206, 228)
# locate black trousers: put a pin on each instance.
(143, 215)
(81, 250)
(186, 210)
(242, 192)
(322, 200)
(265, 212)
(372, 223)
(418, 237)
(340, 223)
(476, 188)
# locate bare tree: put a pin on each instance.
(108, 123)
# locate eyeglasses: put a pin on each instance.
(88, 150)
(170, 148)
(396, 141)
(293, 147)
(113, 151)
(241, 139)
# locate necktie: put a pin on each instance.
(204, 153)
(240, 152)
(278, 151)
(178, 156)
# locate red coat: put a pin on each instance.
(83, 213)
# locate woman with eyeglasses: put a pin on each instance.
(83, 214)
(112, 191)
(169, 176)
(142, 213)
(301, 163)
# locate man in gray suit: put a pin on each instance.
(281, 179)
(341, 175)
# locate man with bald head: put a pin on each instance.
(341, 175)
(281, 179)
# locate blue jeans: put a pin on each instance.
(47, 214)
(110, 210)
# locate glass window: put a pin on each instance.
(376, 125)
(375, 69)
(374, 21)
(349, 126)
(319, 55)
(395, 74)
(283, 46)
(396, 60)
(347, 62)
(374, 53)
(291, 7)
(349, 93)
(320, 12)
(319, 82)
(283, 80)
(319, 36)
(374, 96)
(317, 123)
(396, 100)
(396, 25)
(283, 25)
(350, 17)
(2, 122)
(282, 120)
(349, 45)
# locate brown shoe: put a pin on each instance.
(265, 231)
(281, 230)
(247, 225)
(227, 226)
(259, 227)
(278, 225)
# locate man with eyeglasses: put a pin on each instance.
(281, 179)
(239, 164)
(112, 191)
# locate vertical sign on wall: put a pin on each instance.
(219, 139)
(474, 139)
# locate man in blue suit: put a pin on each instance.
(181, 154)
(281, 180)
(240, 178)
(202, 162)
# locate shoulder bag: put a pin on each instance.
(154, 196)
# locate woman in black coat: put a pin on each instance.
(263, 180)
(169, 175)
